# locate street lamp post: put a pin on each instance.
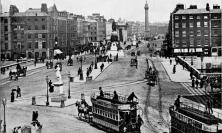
(69, 86)
(81, 74)
(47, 94)
(95, 61)
(4, 104)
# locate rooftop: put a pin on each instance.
(198, 11)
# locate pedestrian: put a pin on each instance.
(12, 96)
(139, 122)
(79, 71)
(191, 75)
(131, 96)
(108, 60)
(209, 106)
(18, 92)
(174, 69)
(177, 102)
(115, 96)
(170, 61)
(101, 92)
(193, 82)
(197, 83)
(87, 72)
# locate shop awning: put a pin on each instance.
(199, 50)
(57, 51)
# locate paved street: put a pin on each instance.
(119, 76)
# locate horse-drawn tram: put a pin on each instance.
(191, 119)
(114, 113)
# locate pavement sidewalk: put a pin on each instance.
(181, 75)
(95, 72)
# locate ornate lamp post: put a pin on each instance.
(47, 94)
(69, 86)
(4, 104)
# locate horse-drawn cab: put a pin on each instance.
(49, 64)
(70, 62)
(22, 71)
(152, 78)
(115, 115)
(133, 62)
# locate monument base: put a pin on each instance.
(59, 98)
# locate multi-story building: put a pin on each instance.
(37, 32)
(196, 31)
(101, 26)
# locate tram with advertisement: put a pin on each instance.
(190, 118)
(115, 116)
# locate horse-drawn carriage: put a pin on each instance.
(111, 115)
(22, 71)
(151, 77)
(134, 62)
(49, 65)
(18, 73)
(70, 62)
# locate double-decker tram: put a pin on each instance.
(115, 115)
(193, 119)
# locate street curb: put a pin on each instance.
(167, 72)
(102, 71)
(54, 106)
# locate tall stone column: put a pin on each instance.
(147, 32)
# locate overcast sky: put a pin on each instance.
(159, 10)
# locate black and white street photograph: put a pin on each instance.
(110, 66)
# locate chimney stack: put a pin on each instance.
(44, 8)
(207, 7)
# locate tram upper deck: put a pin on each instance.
(199, 113)
(108, 97)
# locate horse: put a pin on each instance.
(83, 109)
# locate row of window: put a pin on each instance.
(191, 25)
(36, 27)
(191, 42)
(36, 36)
(107, 114)
(191, 33)
(37, 45)
(36, 19)
(191, 17)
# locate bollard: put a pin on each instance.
(33, 100)
(62, 103)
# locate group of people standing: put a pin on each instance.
(18, 91)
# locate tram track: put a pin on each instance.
(160, 109)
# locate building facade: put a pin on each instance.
(196, 31)
(35, 33)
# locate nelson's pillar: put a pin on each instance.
(147, 31)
